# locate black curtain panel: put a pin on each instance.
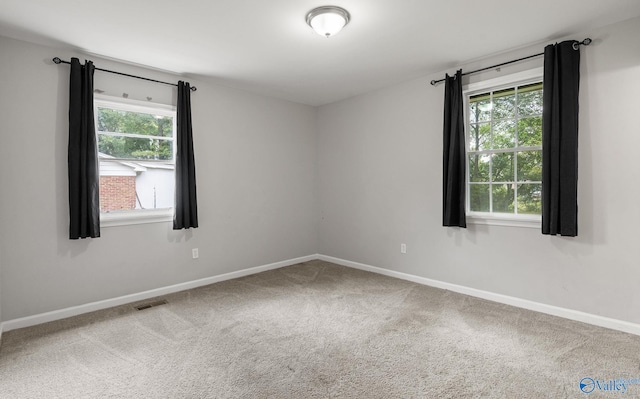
(186, 209)
(560, 139)
(453, 179)
(84, 206)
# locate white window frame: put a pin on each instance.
(136, 216)
(503, 82)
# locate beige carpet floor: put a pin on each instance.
(316, 330)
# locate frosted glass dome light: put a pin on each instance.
(328, 20)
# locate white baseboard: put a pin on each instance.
(123, 300)
(570, 314)
(588, 318)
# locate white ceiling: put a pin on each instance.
(266, 47)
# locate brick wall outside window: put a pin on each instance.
(117, 193)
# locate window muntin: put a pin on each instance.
(504, 150)
(136, 150)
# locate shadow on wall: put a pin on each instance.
(177, 236)
(470, 234)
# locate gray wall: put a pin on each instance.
(1, 224)
(369, 168)
(380, 174)
(256, 168)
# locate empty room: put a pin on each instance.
(299, 199)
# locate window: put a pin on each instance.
(504, 150)
(136, 151)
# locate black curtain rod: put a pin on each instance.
(59, 61)
(576, 45)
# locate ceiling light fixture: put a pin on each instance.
(328, 20)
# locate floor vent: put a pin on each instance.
(151, 304)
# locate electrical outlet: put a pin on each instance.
(194, 253)
(403, 248)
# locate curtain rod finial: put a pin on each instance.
(585, 42)
(57, 60)
(433, 82)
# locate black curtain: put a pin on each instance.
(560, 139)
(84, 206)
(186, 209)
(453, 179)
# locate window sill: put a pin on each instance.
(529, 221)
(138, 216)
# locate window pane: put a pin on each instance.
(502, 167)
(530, 199)
(473, 109)
(155, 188)
(116, 121)
(504, 104)
(481, 105)
(530, 100)
(530, 166)
(135, 148)
(530, 131)
(479, 197)
(126, 186)
(504, 134)
(117, 193)
(503, 198)
(505, 120)
(479, 135)
(479, 168)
